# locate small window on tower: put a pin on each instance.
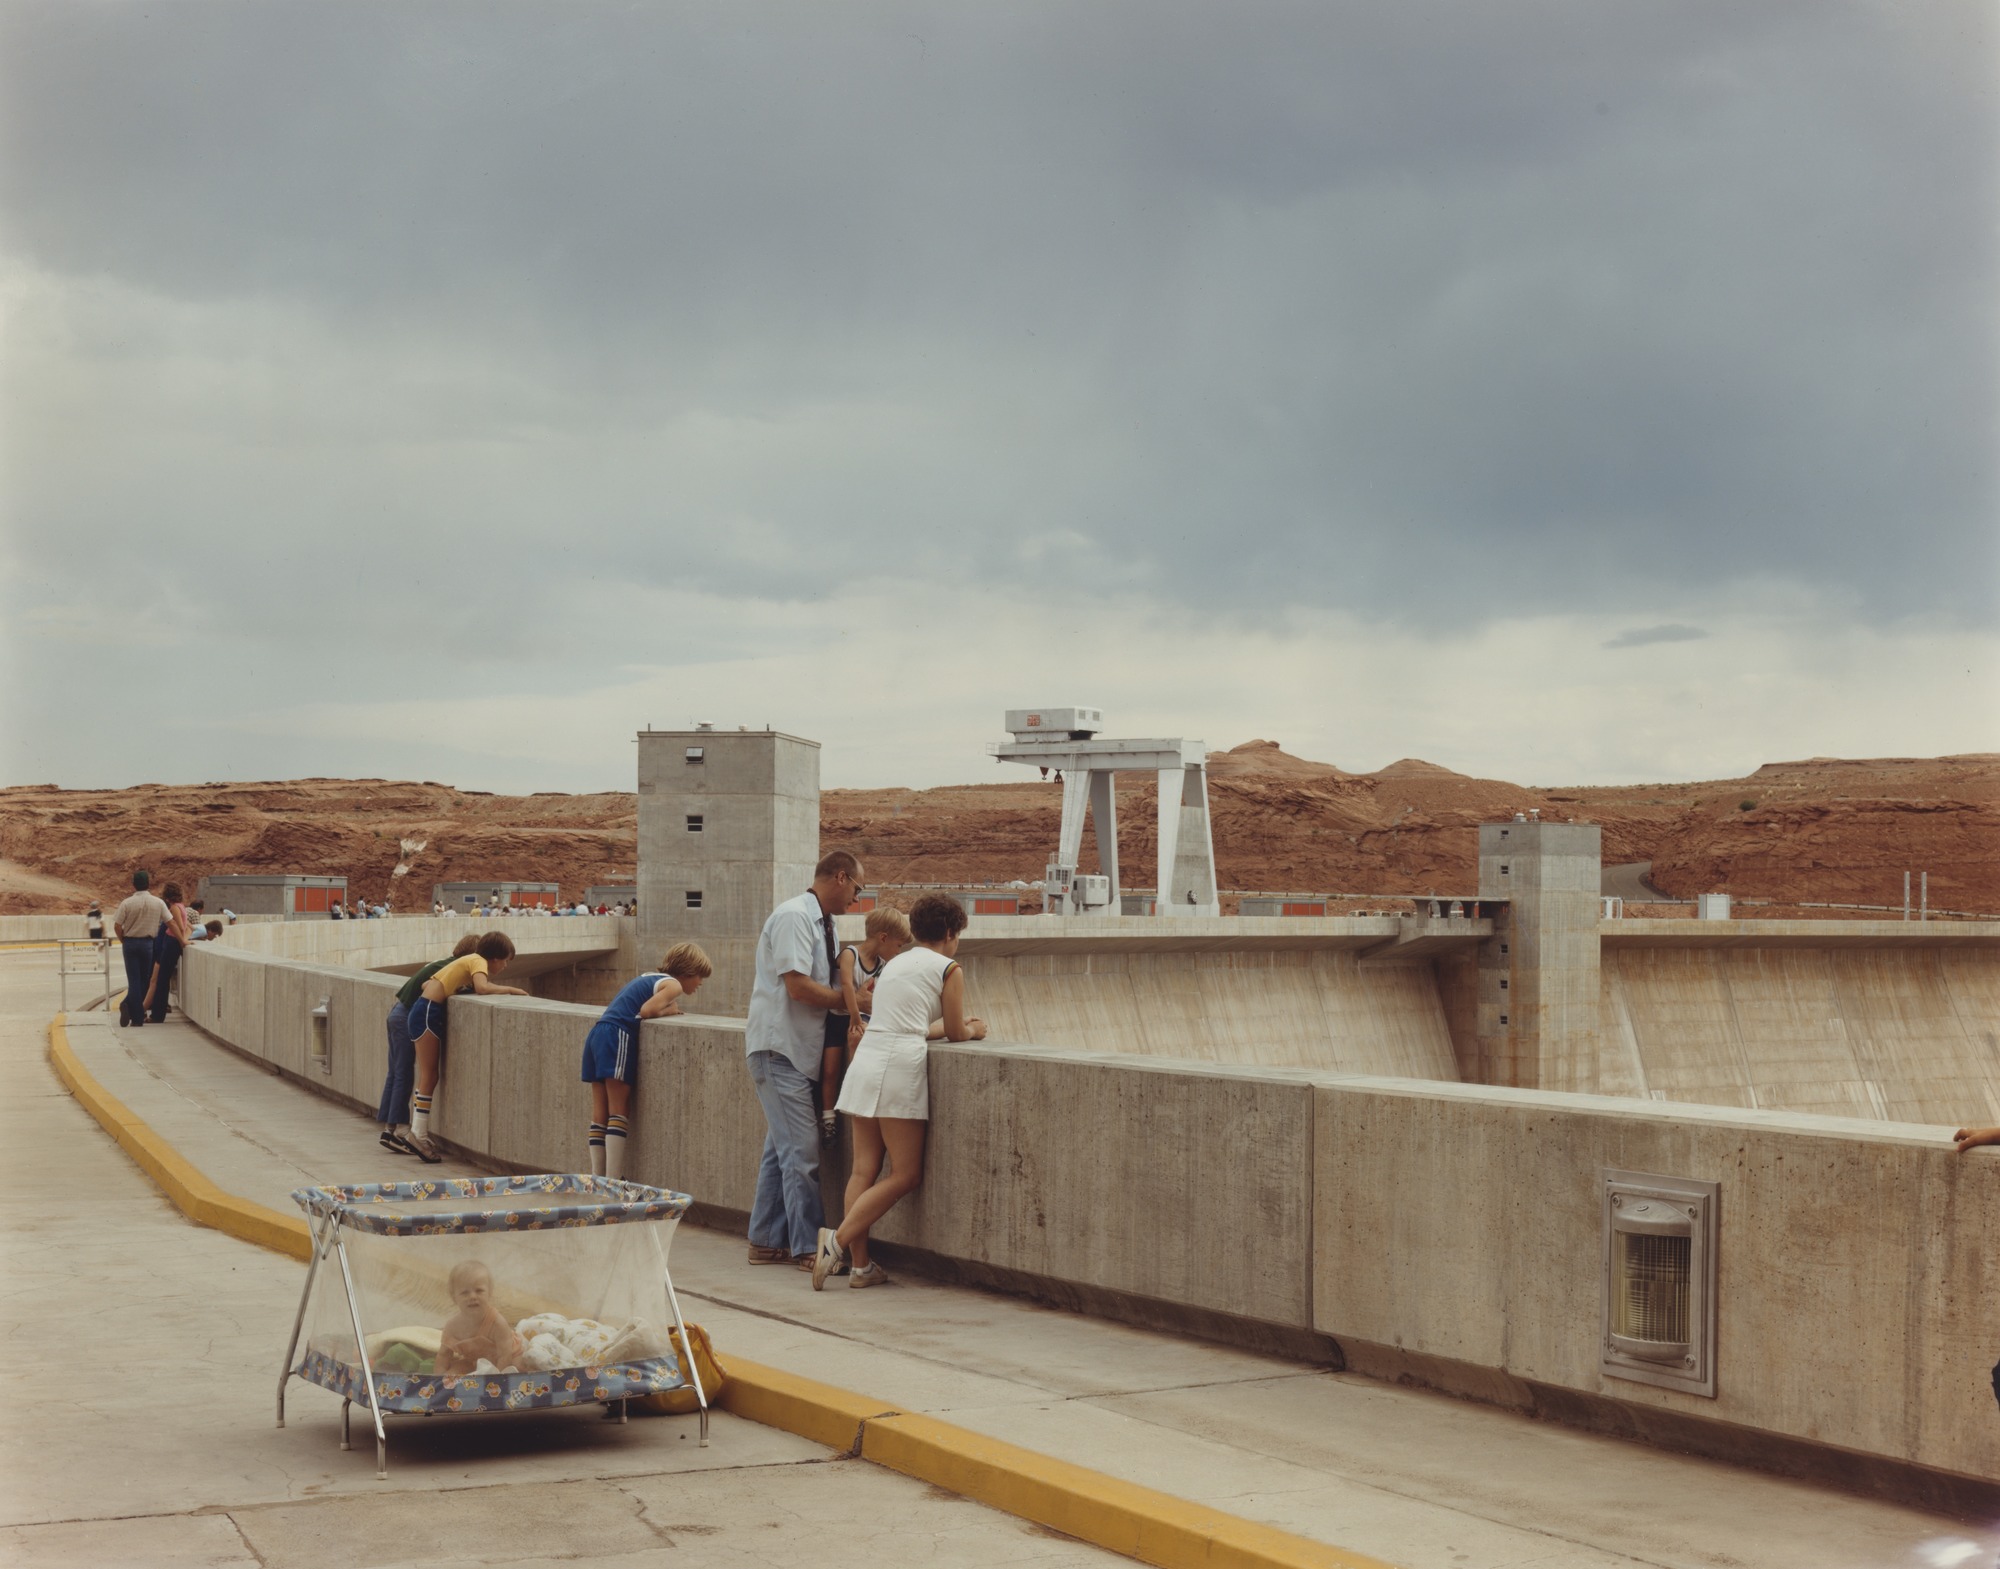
(694, 754)
(694, 825)
(694, 898)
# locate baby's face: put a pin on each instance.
(472, 1291)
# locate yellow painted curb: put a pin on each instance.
(1136, 1521)
(192, 1193)
(775, 1398)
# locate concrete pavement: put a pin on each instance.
(138, 1425)
(186, 1328)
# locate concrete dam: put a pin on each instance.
(1388, 1141)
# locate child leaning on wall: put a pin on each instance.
(611, 1051)
(429, 1016)
(401, 1078)
(886, 935)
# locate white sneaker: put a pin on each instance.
(862, 1279)
(829, 1256)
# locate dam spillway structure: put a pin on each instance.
(1067, 743)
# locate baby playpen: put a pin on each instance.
(487, 1294)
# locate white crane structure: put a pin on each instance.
(1066, 741)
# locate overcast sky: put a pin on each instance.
(1562, 392)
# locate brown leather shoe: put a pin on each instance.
(769, 1255)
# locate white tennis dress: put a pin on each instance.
(890, 1074)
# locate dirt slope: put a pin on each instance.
(1824, 829)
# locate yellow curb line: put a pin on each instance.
(191, 1192)
(833, 1417)
(1153, 1527)
(1135, 1521)
(1138, 1522)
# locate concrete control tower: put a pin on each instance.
(728, 830)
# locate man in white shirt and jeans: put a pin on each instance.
(138, 921)
(789, 999)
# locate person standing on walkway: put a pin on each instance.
(401, 1078)
(137, 922)
(789, 999)
(175, 933)
(888, 1094)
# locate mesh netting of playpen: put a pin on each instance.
(491, 1293)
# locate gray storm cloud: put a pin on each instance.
(1641, 637)
(1418, 311)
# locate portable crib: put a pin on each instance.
(577, 1269)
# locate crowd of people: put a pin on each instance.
(153, 932)
(847, 1031)
(488, 910)
(832, 1031)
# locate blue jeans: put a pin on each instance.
(167, 955)
(138, 953)
(786, 1212)
(402, 1076)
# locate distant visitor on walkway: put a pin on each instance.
(789, 998)
(169, 943)
(137, 922)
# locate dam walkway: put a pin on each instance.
(147, 1349)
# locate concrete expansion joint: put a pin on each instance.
(1124, 1517)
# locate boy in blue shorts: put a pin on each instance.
(611, 1051)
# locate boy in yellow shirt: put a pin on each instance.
(428, 1017)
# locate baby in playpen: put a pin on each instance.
(476, 1332)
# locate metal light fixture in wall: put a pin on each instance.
(1659, 1281)
(320, 1044)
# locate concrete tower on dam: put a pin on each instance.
(1538, 972)
(728, 829)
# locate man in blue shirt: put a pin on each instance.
(789, 998)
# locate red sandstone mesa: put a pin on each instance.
(1824, 830)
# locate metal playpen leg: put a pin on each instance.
(687, 1345)
(361, 1349)
(299, 1323)
(346, 1425)
(624, 1410)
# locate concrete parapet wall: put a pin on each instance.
(47, 928)
(1421, 1225)
(1171, 1181)
(417, 939)
(1855, 1309)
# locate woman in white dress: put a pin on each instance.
(919, 995)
